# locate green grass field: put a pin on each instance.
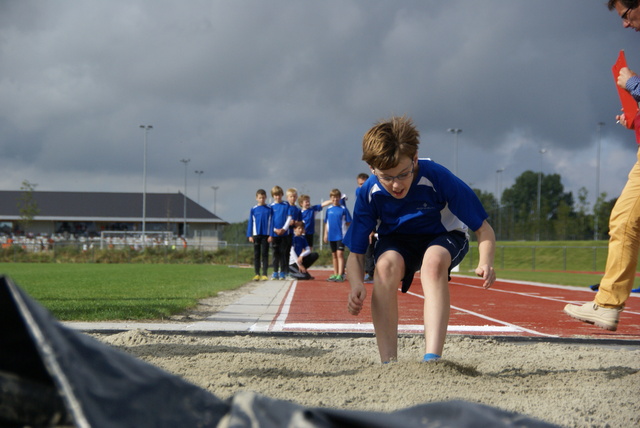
(97, 292)
(139, 291)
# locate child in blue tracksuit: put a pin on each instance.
(308, 215)
(301, 257)
(258, 232)
(337, 220)
(279, 228)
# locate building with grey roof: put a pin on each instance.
(90, 213)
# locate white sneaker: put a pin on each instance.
(590, 312)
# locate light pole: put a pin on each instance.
(199, 173)
(455, 132)
(595, 205)
(146, 129)
(542, 152)
(184, 226)
(498, 189)
(215, 194)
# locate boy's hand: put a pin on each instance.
(487, 273)
(251, 239)
(356, 299)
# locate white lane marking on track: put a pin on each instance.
(492, 319)
(401, 327)
(284, 313)
(535, 295)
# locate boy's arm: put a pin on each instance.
(486, 248)
(355, 274)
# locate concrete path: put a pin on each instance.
(254, 311)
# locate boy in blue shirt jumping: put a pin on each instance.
(422, 213)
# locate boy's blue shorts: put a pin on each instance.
(412, 248)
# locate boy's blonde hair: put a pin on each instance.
(303, 198)
(276, 190)
(292, 190)
(385, 143)
(335, 192)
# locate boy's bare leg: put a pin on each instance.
(340, 259)
(334, 258)
(384, 303)
(435, 283)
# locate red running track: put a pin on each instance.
(508, 308)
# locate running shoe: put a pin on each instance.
(274, 276)
(264, 278)
(635, 290)
(256, 278)
(339, 278)
(283, 276)
(332, 278)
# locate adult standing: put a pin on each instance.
(624, 223)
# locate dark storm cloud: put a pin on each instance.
(258, 93)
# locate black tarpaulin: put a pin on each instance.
(52, 375)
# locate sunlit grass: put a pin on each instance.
(93, 292)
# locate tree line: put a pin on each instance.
(537, 208)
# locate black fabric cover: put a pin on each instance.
(103, 387)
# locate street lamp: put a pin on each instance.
(215, 194)
(498, 189)
(542, 152)
(595, 205)
(199, 175)
(184, 226)
(455, 132)
(146, 129)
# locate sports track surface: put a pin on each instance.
(508, 308)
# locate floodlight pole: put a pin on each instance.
(455, 132)
(146, 129)
(199, 174)
(542, 152)
(184, 226)
(215, 195)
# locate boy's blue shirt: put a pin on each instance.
(309, 218)
(280, 214)
(437, 202)
(296, 215)
(336, 220)
(259, 220)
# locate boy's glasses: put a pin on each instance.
(400, 177)
(625, 16)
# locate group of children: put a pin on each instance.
(290, 231)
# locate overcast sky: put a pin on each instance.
(259, 93)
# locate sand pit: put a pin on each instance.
(569, 385)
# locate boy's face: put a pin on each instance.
(397, 180)
(262, 199)
(306, 203)
(292, 198)
(298, 231)
(335, 200)
(277, 197)
(360, 181)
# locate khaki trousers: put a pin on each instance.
(624, 242)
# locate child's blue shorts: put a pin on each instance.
(412, 248)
